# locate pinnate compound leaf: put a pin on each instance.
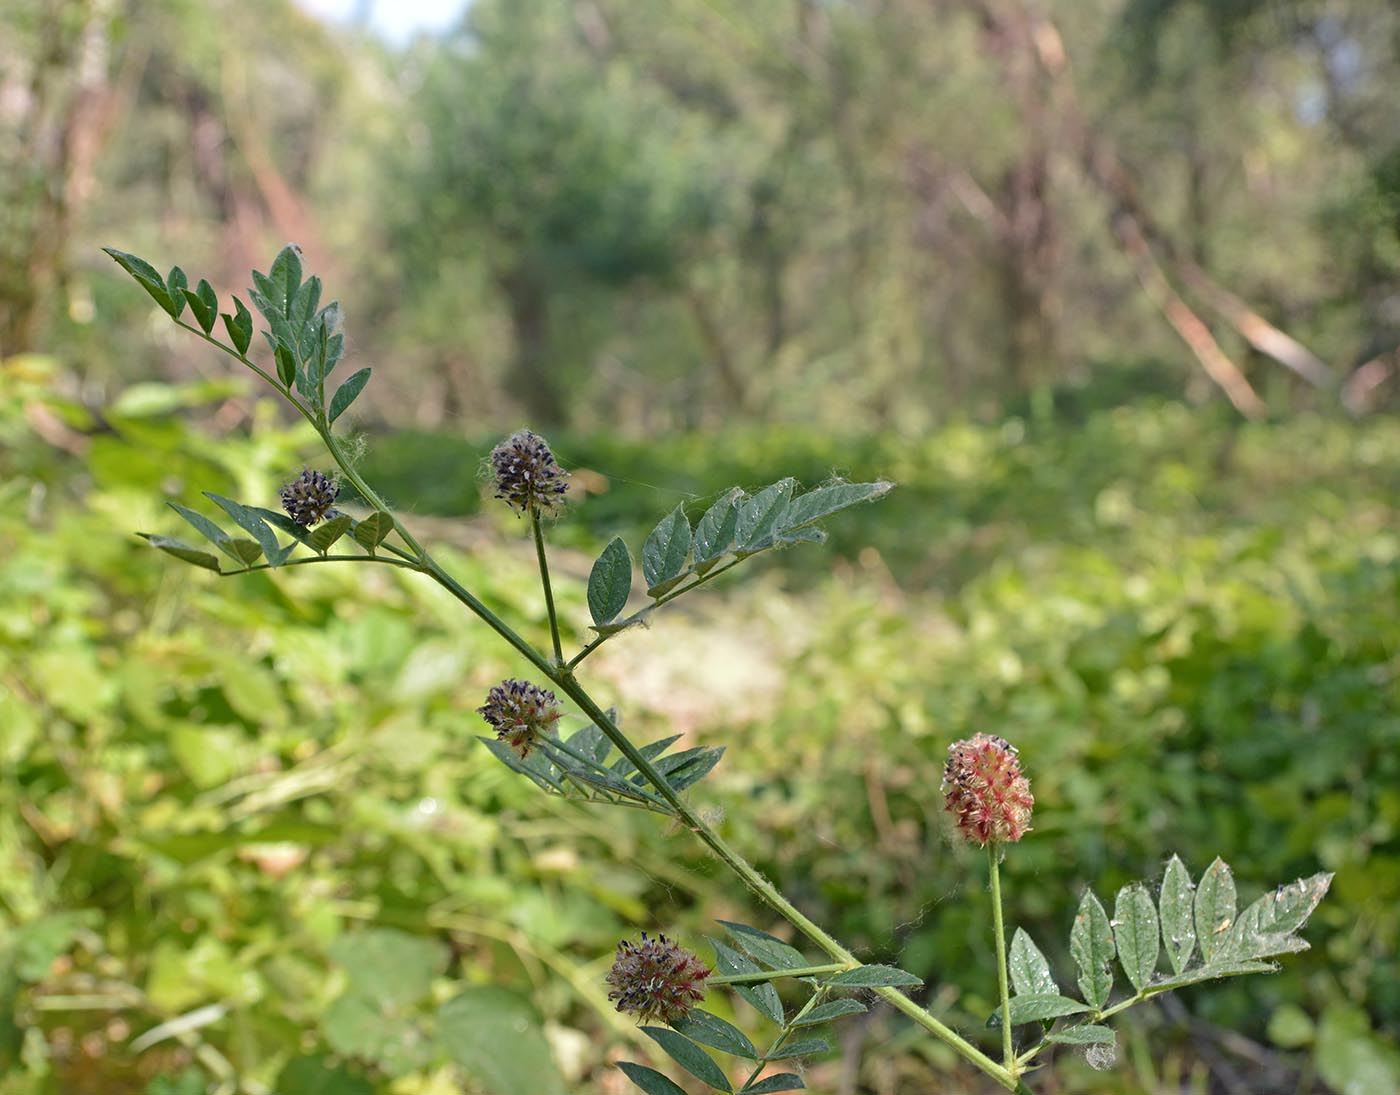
(779, 1081)
(1038, 1008)
(610, 582)
(535, 767)
(249, 520)
(1213, 972)
(1214, 908)
(822, 502)
(1090, 1034)
(665, 552)
(769, 950)
(1030, 972)
(1175, 903)
(761, 516)
(496, 1037)
(649, 1080)
(218, 537)
(764, 997)
(711, 1030)
(832, 1009)
(324, 535)
(875, 977)
(1136, 930)
(653, 749)
(591, 742)
(182, 551)
(346, 393)
(147, 277)
(714, 535)
(689, 1056)
(1092, 948)
(239, 326)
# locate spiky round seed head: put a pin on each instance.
(309, 497)
(985, 791)
(527, 476)
(520, 712)
(656, 979)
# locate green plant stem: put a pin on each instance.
(1008, 1051)
(774, 975)
(548, 589)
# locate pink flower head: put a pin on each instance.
(985, 790)
(656, 979)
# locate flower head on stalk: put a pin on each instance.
(520, 713)
(526, 474)
(985, 791)
(656, 979)
(309, 497)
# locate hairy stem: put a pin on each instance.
(548, 589)
(1007, 1050)
(774, 975)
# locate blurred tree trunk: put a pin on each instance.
(531, 381)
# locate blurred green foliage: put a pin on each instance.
(206, 785)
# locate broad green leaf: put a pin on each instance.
(1135, 930)
(286, 364)
(204, 304)
(649, 1080)
(362, 1026)
(182, 550)
(591, 742)
(665, 552)
(147, 277)
(390, 965)
(764, 997)
(798, 1049)
(652, 750)
(250, 522)
(610, 582)
(713, 1031)
(370, 532)
(1266, 927)
(832, 1009)
(284, 279)
(315, 1076)
(689, 1056)
(1214, 908)
(496, 1037)
(1178, 924)
(764, 948)
(239, 326)
(327, 533)
(779, 1081)
(175, 284)
(1092, 948)
(1089, 1034)
(1030, 972)
(761, 516)
(533, 767)
(714, 535)
(875, 977)
(346, 393)
(1038, 1008)
(698, 764)
(824, 501)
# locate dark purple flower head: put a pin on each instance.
(656, 979)
(526, 474)
(309, 497)
(520, 712)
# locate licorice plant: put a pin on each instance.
(1195, 924)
